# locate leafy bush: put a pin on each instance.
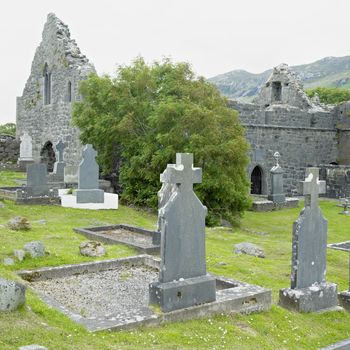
(148, 113)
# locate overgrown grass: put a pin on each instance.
(275, 329)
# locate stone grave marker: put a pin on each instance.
(25, 151)
(309, 290)
(88, 172)
(37, 180)
(183, 280)
(277, 196)
(58, 168)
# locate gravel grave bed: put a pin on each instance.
(129, 236)
(117, 293)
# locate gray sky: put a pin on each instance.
(214, 36)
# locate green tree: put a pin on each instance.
(8, 129)
(146, 114)
(330, 95)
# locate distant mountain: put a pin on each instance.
(329, 71)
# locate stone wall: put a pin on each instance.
(48, 119)
(337, 179)
(9, 149)
(299, 148)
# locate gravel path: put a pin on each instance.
(119, 293)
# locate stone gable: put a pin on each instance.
(44, 109)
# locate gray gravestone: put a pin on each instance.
(309, 290)
(88, 172)
(25, 151)
(37, 180)
(277, 196)
(183, 281)
(58, 168)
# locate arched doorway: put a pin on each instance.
(256, 181)
(48, 156)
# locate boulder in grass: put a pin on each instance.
(249, 249)
(9, 261)
(19, 254)
(12, 295)
(35, 249)
(92, 248)
(19, 223)
(32, 347)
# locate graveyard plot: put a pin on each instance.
(114, 294)
(145, 241)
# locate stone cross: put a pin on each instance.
(312, 187)
(182, 173)
(183, 281)
(60, 147)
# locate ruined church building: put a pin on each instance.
(281, 118)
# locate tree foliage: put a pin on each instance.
(8, 129)
(146, 114)
(330, 95)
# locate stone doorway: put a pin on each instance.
(48, 156)
(256, 181)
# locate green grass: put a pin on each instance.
(275, 329)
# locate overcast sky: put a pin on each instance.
(214, 36)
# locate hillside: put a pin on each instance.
(329, 71)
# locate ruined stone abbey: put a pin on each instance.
(282, 118)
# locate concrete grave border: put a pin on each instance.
(231, 296)
(94, 233)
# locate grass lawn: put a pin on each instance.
(36, 323)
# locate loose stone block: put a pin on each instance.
(9, 261)
(12, 295)
(19, 254)
(309, 290)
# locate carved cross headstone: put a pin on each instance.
(59, 148)
(183, 280)
(312, 187)
(58, 167)
(310, 236)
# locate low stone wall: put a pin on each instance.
(9, 149)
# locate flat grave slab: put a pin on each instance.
(113, 294)
(145, 241)
(70, 201)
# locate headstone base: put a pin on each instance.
(314, 298)
(181, 294)
(23, 163)
(344, 300)
(89, 196)
(277, 198)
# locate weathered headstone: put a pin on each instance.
(25, 151)
(37, 180)
(58, 167)
(309, 290)
(345, 204)
(277, 196)
(88, 172)
(183, 280)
